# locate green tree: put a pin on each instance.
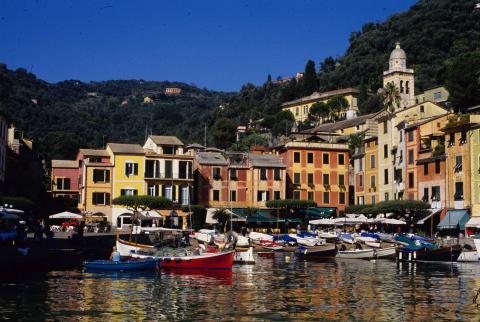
(222, 134)
(309, 80)
(281, 123)
(391, 97)
(246, 142)
(319, 111)
(223, 218)
(463, 82)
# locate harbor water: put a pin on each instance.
(273, 289)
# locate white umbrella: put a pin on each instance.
(66, 215)
(391, 221)
(323, 221)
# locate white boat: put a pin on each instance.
(308, 241)
(126, 248)
(373, 244)
(468, 256)
(367, 253)
(365, 239)
(205, 235)
(327, 235)
(242, 241)
(244, 255)
(256, 237)
(347, 238)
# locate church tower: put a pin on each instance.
(401, 76)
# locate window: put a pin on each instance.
(296, 194)
(463, 138)
(95, 159)
(262, 195)
(360, 180)
(128, 192)
(361, 200)
(216, 195)
(401, 86)
(458, 163)
(153, 190)
(341, 159)
(386, 196)
(410, 156)
(310, 179)
(168, 168)
(168, 150)
(341, 180)
(385, 127)
(296, 178)
(341, 198)
(131, 169)
(360, 164)
(385, 151)
(422, 109)
(407, 87)
(411, 182)
(101, 198)
(63, 183)
(263, 174)
(436, 193)
(183, 170)
(101, 175)
(398, 177)
(425, 169)
(276, 195)
(326, 159)
(296, 111)
(326, 179)
(437, 166)
(437, 96)
(385, 176)
(326, 197)
(451, 139)
(425, 195)
(216, 173)
(233, 174)
(150, 168)
(309, 157)
(233, 195)
(373, 200)
(185, 195)
(401, 136)
(168, 192)
(410, 136)
(277, 174)
(458, 191)
(372, 182)
(372, 161)
(310, 195)
(296, 157)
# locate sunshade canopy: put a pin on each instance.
(66, 215)
(473, 222)
(454, 219)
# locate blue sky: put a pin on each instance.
(215, 44)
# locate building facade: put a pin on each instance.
(64, 179)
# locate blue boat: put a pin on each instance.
(129, 265)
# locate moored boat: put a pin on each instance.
(368, 253)
(244, 255)
(220, 260)
(126, 248)
(441, 254)
(316, 252)
(130, 265)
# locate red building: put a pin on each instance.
(64, 179)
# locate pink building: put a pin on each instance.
(64, 179)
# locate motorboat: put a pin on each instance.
(129, 265)
(219, 260)
(270, 245)
(316, 252)
(244, 255)
(327, 235)
(375, 244)
(347, 238)
(439, 254)
(204, 235)
(256, 237)
(369, 253)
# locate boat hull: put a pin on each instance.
(444, 254)
(368, 253)
(131, 265)
(317, 252)
(206, 261)
(468, 256)
(126, 248)
(244, 256)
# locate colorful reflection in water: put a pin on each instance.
(271, 289)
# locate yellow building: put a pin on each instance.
(370, 181)
(300, 108)
(435, 94)
(128, 176)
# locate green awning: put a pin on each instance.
(318, 212)
(294, 220)
(263, 217)
(454, 219)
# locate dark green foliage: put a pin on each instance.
(357, 209)
(222, 133)
(463, 80)
(309, 80)
(196, 220)
(223, 217)
(290, 203)
(246, 142)
(141, 203)
(17, 202)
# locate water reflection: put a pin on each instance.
(274, 288)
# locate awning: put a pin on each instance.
(473, 222)
(263, 217)
(167, 213)
(324, 221)
(454, 219)
(431, 213)
(66, 215)
(318, 212)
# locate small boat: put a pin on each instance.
(306, 240)
(347, 238)
(316, 252)
(468, 256)
(271, 245)
(389, 238)
(367, 253)
(441, 254)
(126, 248)
(373, 244)
(130, 265)
(254, 236)
(327, 235)
(244, 255)
(220, 260)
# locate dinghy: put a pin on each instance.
(130, 265)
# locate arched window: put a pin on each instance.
(407, 90)
(401, 86)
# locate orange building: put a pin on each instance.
(317, 169)
(371, 168)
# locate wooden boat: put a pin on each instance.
(126, 248)
(368, 253)
(221, 260)
(244, 255)
(316, 252)
(373, 244)
(270, 245)
(130, 265)
(442, 254)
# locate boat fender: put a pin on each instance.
(409, 256)
(400, 255)
(287, 259)
(414, 255)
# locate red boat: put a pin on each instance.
(220, 260)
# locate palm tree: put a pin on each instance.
(391, 98)
(223, 217)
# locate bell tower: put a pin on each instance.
(401, 76)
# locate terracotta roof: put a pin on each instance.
(195, 146)
(213, 158)
(332, 127)
(423, 121)
(126, 148)
(166, 140)
(64, 164)
(323, 95)
(94, 152)
(266, 160)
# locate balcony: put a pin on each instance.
(166, 176)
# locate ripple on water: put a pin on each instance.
(270, 290)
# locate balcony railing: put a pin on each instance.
(151, 175)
